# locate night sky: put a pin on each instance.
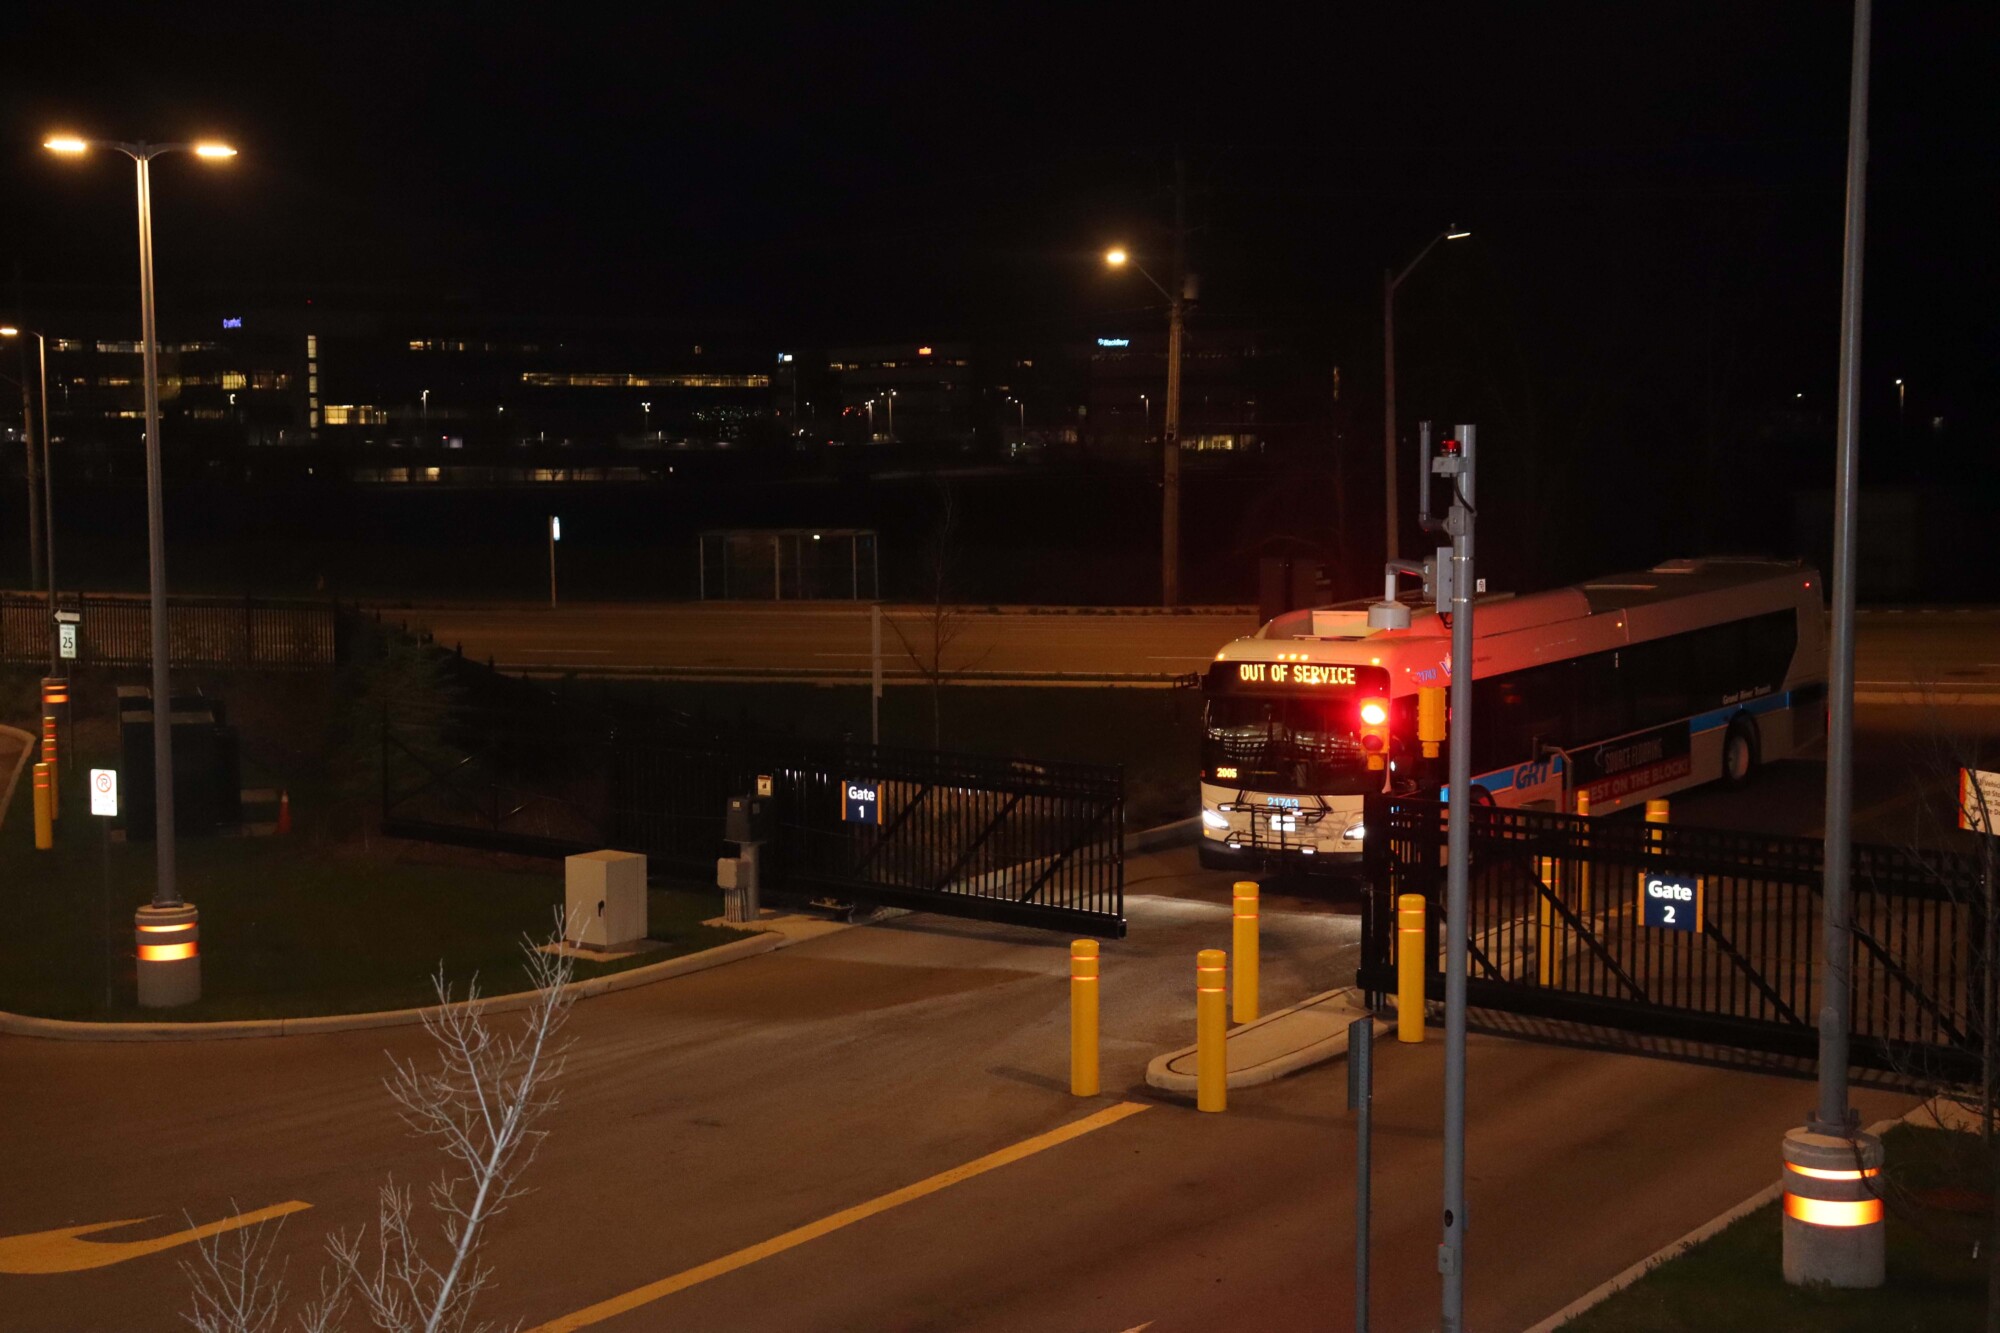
(1655, 191)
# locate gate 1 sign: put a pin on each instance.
(1978, 799)
(862, 802)
(1671, 902)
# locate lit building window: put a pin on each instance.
(350, 414)
(548, 379)
(235, 379)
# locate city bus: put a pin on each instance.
(1626, 687)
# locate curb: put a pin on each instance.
(1673, 1249)
(62, 1029)
(1175, 834)
(1161, 1074)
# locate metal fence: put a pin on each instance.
(969, 835)
(1557, 930)
(116, 630)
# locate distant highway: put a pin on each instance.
(827, 641)
(1900, 655)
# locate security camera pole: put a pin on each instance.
(1450, 577)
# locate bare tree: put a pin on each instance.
(481, 1103)
(941, 623)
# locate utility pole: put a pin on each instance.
(1170, 484)
(34, 476)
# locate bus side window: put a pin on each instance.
(1662, 680)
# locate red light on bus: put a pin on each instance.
(1373, 713)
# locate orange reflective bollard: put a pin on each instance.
(1243, 988)
(1211, 1030)
(45, 828)
(1083, 961)
(1410, 942)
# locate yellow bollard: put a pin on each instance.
(1430, 718)
(1211, 1031)
(1410, 941)
(45, 829)
(1548, 968)
(1083, 1018)
(1243, 993)
(49, 758)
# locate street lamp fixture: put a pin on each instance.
(1390, 282)
(1170, 471)
(166, 889)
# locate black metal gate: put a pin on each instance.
(1557, 931)
(1037, 844)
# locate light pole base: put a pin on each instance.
(1833, 1209)
(169, 943)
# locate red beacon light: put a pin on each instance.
(1449, 447)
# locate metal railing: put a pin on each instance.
(1557, 930)
(970, 835)
(116, 630)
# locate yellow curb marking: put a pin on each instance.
(742, 1258)
(64, 1250)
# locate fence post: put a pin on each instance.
(1083, 1080)
(1243, 992)
(1410, 940)
(1583, 864)
(1211, 1031)
(1548, 970)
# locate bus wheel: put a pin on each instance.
(1739, 752)
(1482, 797)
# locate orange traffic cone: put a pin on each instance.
(284, 812)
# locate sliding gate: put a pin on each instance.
(1035, 844)
(1560, 929)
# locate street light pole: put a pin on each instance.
(166, 887)
(1170, 471)
(48, 503)
(1390, 282)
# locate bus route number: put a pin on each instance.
(1294, 673)
(1670, 902)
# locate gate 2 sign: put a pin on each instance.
(1671, 902)
(861, 802)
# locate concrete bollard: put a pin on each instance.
(45, 826)
(1243, 987)
(1410, 941)
(1083, 1079)
(169, 940)
(1833, 1231)
(1211, 1031)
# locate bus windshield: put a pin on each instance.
(1305, 741)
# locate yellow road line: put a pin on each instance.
(742, 1258)
(64, 1250)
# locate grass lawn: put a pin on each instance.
(1735, 1279)
(288, 928)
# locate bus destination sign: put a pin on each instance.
(1295, 673)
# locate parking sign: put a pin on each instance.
(104, 791)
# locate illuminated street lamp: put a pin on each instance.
(1170, 489)
(48, 499)
(1390, 282)
(647, 428)
(892, 415)
(1021, 408)
(166, 890)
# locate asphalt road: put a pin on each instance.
(1899, 655)
(711, 1117)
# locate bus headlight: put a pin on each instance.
(1214, 819)
(1355, 832)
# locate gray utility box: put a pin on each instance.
(604, 899)
(748, 819)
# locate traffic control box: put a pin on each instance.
(604, 899)
(748, 819)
